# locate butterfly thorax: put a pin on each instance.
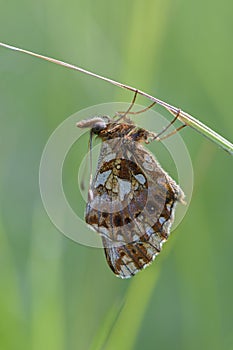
(108, 129)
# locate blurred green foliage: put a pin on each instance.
(56, 294)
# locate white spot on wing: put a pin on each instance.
(140, 178)
(162, 220)
(168, 207)
(124, 188)
(102, 177)
(148, 166)
(125, 272)
(109, 157)
(147, 158)
(132, 267)
(119, 237)
(149, 230)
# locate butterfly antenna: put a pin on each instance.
(130, 107)
(157, 137)
(171, 133)
(141, 110)
(90, 194)
(82, 182)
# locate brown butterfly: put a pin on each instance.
(131, 200)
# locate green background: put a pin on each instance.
(56, 294)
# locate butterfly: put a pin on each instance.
(131, 199)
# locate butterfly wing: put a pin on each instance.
(131, 205)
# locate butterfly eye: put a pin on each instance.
(99, 126)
